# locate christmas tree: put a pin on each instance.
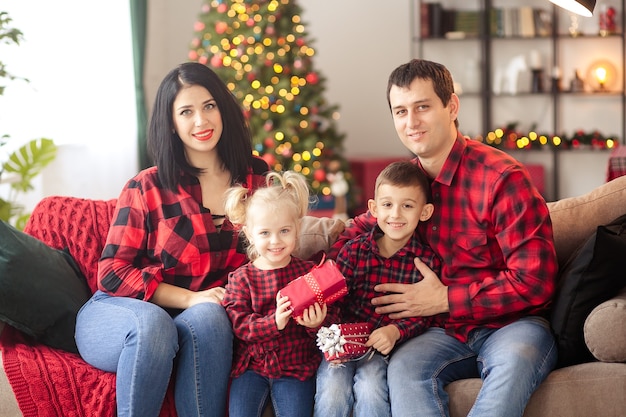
(260, 49)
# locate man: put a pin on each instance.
(493, 233)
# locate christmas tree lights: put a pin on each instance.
(260, 49)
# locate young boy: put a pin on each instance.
(385, 254)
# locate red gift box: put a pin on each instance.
(344, 342)
(324, 284)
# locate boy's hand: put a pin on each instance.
(384, 339)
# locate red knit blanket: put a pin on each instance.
(53, 383)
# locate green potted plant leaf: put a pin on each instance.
(22, 166)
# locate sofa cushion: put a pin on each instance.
(574, 219)
(605, 332)
(41, 289)
(317, 234)
(593, 275)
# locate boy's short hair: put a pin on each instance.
(404, 174)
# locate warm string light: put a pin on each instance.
(510, 139)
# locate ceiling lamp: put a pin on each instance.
(581, 7)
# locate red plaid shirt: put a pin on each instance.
(492, 230)
(364, 267)
(161, 236)
(250, 302)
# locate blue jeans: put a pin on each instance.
(360, 384)
(143, 344)
(250, 393)
(512, 361)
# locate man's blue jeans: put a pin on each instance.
(142, 344)
(512, 361)
(360, 384)
(250, 393)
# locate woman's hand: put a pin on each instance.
(171, 296)
(212, 295)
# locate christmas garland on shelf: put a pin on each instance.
(510, 138)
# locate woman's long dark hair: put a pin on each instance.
(166, 148)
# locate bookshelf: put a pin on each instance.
(507, 58)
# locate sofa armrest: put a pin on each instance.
(574, 219)
(604, 330)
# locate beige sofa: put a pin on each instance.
(590, 389)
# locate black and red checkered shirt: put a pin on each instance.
(160, 236)
(492, 231)
(361, 262)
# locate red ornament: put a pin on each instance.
(312, 78)
(251, 76)
(220, 27)
(269, 158)
(198, 26)
(299, 41)
(216, 61)
(193, 55)
(222, 8)
(319, 175)
(203, 60)
(269, 143)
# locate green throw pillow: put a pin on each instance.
(41, 289)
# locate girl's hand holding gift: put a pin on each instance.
(283, 312)
(313, 316)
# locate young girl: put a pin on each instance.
(273, 354)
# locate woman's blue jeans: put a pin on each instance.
(361, 385)
(251, 392)
(143, 344)
(512, 361)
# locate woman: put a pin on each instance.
(168, 254)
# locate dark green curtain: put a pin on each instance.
(139, 19)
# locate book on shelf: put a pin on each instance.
(524, 21)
